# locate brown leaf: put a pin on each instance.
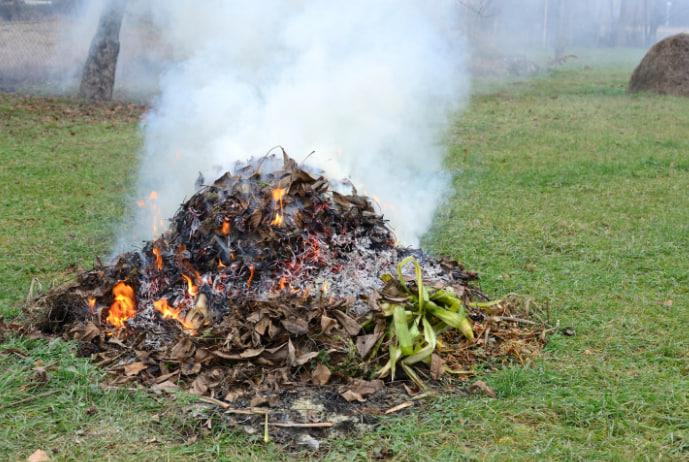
(199, 386)
(350, 325)
(183, 350)
(296, 326)
(87, 333)
(134, 368)
(39, 455)
(364, 344)
(233, 394)
(167, 387)
(482, 387)
(246, 354)
(321, 375)
(165, 377)
(327, 324)
(190, 367)
(116, 341)
(350, 396)
(359, 389)
(262, 326)
(305, 358)
(437, 366)
(258, 400)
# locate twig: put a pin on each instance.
(108, 361)
(399, 407)
(29, 398)
(230, 410)
(266, 436)
(511, 319)
(421, 396)
(300, 425)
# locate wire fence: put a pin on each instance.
(30, 52)
(43, 48)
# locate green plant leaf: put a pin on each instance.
(457, 320)
(404, 336)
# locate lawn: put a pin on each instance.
(566, 189)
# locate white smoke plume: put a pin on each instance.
(368, 85)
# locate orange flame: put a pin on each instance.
(159, 259)
(226, 228)
(251, 276)
(170, 312)
(153, 195)
(221, 265)
(124, 306)
(283, 282)
(278, 195)
(191, 288)
(141, 203)
(92, 303)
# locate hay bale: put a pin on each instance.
(665, 68)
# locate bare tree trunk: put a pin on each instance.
(98, 78)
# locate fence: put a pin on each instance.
(43, 49)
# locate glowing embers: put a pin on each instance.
(123, 307)
(226, 228)
(278, 203)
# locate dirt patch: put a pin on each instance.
(664, 69)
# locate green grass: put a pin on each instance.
(566, 189)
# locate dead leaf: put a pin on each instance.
(165, 377)
(350, 396)
(350, 325)
(482, 387)
(39, 455)
(116, 341)
(364, 344)
(190, 367)
(233, 394)
(88, 333)
(167, 387)
(182, 350)
(437, 366)
(199, 386)
(262, 326)
(246, 354)
(327, 324)
(295, 326)
(258, 400)
(360, 389)
(305, 358)
(321, 374)
(134, 368)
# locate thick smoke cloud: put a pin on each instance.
(369, 86)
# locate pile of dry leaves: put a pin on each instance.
(273, 278)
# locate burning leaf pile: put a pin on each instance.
(274, 277)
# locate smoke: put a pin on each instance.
(369, 86)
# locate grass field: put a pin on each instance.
(566, 189)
